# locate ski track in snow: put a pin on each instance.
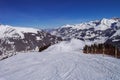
(59, 65)
(62, 66)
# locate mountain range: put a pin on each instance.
(98, 31)
(18, 39)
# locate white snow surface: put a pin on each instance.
(10, 31)
(63, 61)
(104, 24)
(67, 46)
(117, 33)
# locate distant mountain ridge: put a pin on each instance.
(16, 39)
(98, 31)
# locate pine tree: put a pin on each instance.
(116, 51)
(103, 48)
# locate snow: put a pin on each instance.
(115, 40)
(102, 27)
(118, 24)
(79, 26)
(10, 31)
(67, 46)
(54, 33)
(2, 79)
(67, 25)
(107, 21)
(104, 24)
(82, 26)
(63, 61)
(38, 38)
(117, 33)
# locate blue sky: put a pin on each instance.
(55, 13)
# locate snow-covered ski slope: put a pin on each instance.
(63, 61)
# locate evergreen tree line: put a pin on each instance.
(44, 47)
(105, 48)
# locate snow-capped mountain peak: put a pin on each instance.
(97, 24)
(10, 31)
(16, 39)
(67, 25)
(95, 31)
